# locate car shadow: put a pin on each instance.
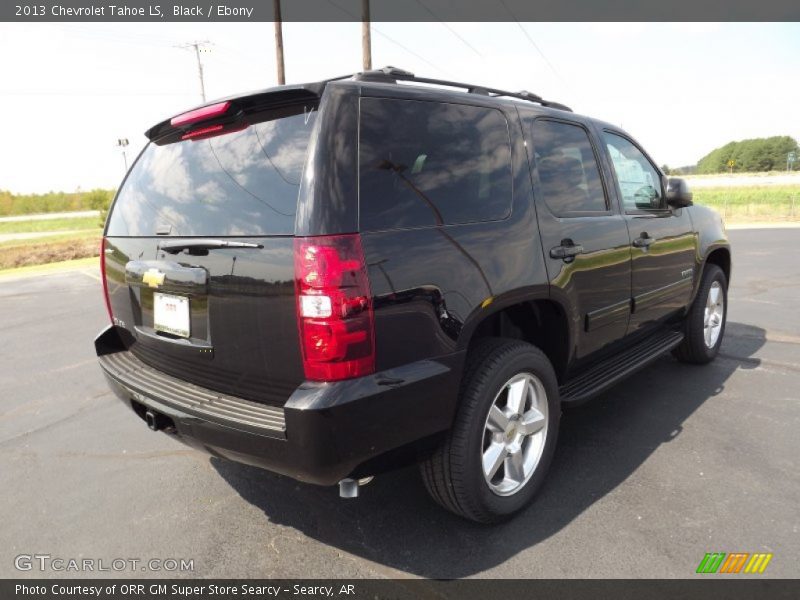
(600, 445)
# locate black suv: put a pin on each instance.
(335, 279)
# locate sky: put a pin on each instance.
(69, 91)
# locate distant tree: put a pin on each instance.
(685, 170)
(100, 200)
(24, 204)
(666, 169)
(6, 202)
(759, 154)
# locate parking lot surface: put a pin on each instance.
(673, 463)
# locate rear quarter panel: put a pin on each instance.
(433, 285)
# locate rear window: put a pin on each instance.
(242, 183)
(429, 163)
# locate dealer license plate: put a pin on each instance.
(171, 314)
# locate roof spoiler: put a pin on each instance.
(230, 112)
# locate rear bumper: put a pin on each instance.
(323, 433)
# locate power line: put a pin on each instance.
(422, 58)
(539, 50)
(450, 29)
(379, 32)
(123, 37)
(534, 44)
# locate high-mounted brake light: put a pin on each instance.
(203, 131)
(105, 279)
(200, 114)
(213, 130)
(334, 307)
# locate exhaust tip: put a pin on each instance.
(348, 488)
(150, 419)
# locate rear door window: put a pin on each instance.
(429, 163)
(569, 178)
(238, 184)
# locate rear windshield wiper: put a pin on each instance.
(203, 244)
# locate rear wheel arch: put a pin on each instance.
(540, 322)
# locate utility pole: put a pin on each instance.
(123, 143)
(198, 47)
(279, 41)
(366, 40)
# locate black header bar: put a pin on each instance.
(707, 587)
(398, 10)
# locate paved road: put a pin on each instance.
(674, 463)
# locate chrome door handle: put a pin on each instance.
(566, 252)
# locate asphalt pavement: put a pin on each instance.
(673, 463)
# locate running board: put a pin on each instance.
(619, 366)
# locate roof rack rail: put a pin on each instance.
(393, 75)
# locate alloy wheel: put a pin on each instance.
(514, 434)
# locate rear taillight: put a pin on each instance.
(105, 279)
(334, 307)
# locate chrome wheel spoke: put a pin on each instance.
(515, 466)
(517, 391)
(497, 421)
(713, 295)
(532, 422)
(493, 457)
(713, 315)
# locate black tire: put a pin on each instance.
(694, 349)
(454, 474)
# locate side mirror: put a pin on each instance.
(678, 193)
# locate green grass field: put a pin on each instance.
(753, 203)
(50, 225)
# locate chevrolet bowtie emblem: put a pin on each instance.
(153, 277)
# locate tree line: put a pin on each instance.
(759, 154)
(28, 204)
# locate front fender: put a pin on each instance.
(710, 235)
